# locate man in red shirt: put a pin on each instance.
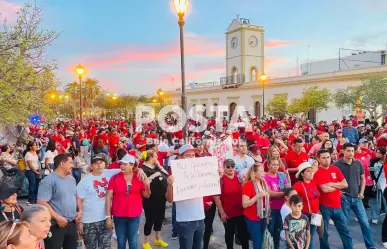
(295, 157)
(330, 182)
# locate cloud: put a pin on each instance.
(279, 43)
(372, 5)
(8, 11)
(195, 46)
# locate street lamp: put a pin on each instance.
(80, 71)
(263, 80)
(181, 9)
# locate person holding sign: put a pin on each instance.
(154, 206)
(256, 203)
(229, 204)
(189, 213)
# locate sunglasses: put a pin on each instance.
(128, 189)
(230, 166)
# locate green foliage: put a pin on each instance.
(312, 97)
(372, 91)
(277, 106)
(25, 76)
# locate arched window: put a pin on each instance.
(253, 74)
(215, 110)
(257, 109)
(234, 73)
(205, 110)
(232, 107)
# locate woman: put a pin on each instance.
(379, 181)
(381, 137)
(229, 204)
(16, 235)
(307, 189)
(256, 153)
(33, 172)
(276, 182)
(256, 204)
(8, 199)
(51, 152)
(124, 202)
(77, 169)
(9, 162)
(39, 222)
(154, 206)
(328, 145)
(274, 153)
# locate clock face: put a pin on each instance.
(234, 42)
(253, 41)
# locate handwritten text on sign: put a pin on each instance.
(194, 178)
(222, 151)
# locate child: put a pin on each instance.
(285, 210)
(297, 226)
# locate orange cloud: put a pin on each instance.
(279, 43)
(8, 11)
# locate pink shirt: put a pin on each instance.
(272, 184)
(315, 148)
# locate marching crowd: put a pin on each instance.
(287, 181)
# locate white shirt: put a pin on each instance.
(285, 211)
(190, 210)
(50, 156)
(242, 165)
(92, 189)
(35, 161)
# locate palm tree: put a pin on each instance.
(90, 90)
(72, 90)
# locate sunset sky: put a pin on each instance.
(131, 46)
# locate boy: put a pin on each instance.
(297, 226)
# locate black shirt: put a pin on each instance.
(352, 173)
(15, 215)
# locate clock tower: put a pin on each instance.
(245, 50)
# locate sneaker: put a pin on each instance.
(146, 246)
(382, 214)
(174, 236)
(374, 221)
(385, 244)
(115, 236)
(331, 222)
(160, 243)
(356, 219)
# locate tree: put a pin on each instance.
(90, 90)
(277, 106)
(312, 98)
(369, 96)
(25, 76)
(72, 90)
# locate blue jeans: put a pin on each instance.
(313, 230)
(341, 224)
(174, 223)
(191, 234)
(275, 226)
(348, 203)
(77, 174)
(376, 205)
(126, 230)
(256, 230)
(33, 186)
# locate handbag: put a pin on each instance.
(315, 219)
(267, 242)
(375, 187)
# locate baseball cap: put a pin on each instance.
(128, 159)
(360, 125)
(186, 147)
(339, 131)
(363, 140)
(97, 157)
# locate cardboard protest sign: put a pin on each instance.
(222, 152)
(195, 177)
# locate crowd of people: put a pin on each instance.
(287, 180)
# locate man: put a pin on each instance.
(242, 160)
(323, 137)
(353, 194)
(331, 132)
(296, 155)
(330, 181)
(265, 142)
(350, 132)
(58, 193)
(189, 213)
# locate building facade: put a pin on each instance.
(241, 86)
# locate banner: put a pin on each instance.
(222, 152)
(195, 177)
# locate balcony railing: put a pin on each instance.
(234, 79)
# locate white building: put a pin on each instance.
(360, 59)
(245, 62)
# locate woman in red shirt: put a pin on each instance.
(229, 204)
(256, 204)
(124, 202)
(307, 189)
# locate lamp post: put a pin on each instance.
(263, 80)
(160, 93)
(80, 71)
(181, 9)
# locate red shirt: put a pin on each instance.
(208, 201)
(291, 138)
(323, 176)
(293, 161)
(114, 165)
(312, 193)
(126, 205)
(231, 196)
(264, 142)
(161, 156)
(251, 212)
